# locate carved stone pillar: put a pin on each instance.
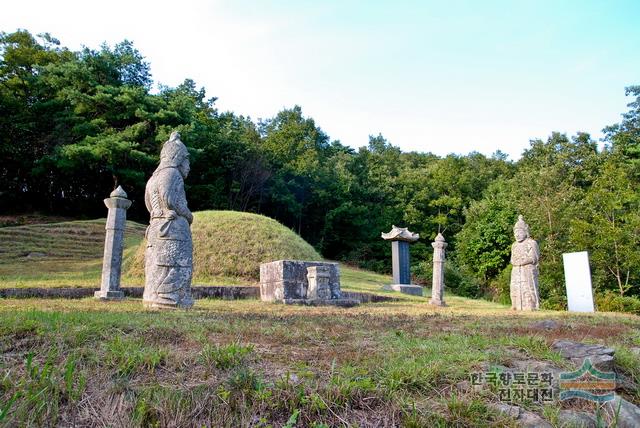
(113, 245)
(437, 288)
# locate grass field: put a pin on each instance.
(249, 363)
(65, 254)
(246, 363)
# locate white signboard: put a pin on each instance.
(577, 277)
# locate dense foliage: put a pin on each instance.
(75, 124)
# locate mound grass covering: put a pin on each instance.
(57, 254)
(232, 244)
(69, 253)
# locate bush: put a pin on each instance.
(455, 279)
(498, 288)
(554, 302)
(612, 302)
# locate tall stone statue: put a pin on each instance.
(524, 275)
(169, 253)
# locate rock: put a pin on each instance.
(534, 366)
(464, 386)
(601, 356)
(574, 419)
(624, 413)
(546, 325)
(523, 417)
(35, 255)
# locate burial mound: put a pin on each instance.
(232, 244)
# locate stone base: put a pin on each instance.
(160, 305)
(287, 279)
(109, 295)
(343, 303)
(437, 302)
(414, 290)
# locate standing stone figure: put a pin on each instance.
(169, 253)
(437, 286)
(118, 205)
(524, 275)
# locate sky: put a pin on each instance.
(430, 76)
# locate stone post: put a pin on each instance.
(437, 288)
(113, 245)
(400, 238)
(318, 278)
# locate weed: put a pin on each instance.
(129, 356)
(224, 357)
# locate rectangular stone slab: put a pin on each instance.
(577, 276)
(414, 290)
(287, 279)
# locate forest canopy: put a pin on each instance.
(74, 124)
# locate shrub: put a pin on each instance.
(612, 302)
(455, 280)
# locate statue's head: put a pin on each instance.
(175, 154)
(521, 229)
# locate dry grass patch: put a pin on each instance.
(240, 363)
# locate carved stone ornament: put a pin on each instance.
(169, 252)
(524, 274)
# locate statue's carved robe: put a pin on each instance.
(169, 252)
(524, 275)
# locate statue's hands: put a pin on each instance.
(171, 215)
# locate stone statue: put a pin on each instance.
(524, 275)
(169, 253)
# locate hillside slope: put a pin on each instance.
(57, 254)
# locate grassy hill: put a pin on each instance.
(231, 245)
(228, 249)
(57, 254)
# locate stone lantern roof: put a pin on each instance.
(400, 234)
(118, 193)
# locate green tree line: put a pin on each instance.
(74, 124)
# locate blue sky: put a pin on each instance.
(444, 77)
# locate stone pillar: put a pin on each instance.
(400, 238)
(437, 288)
(113, 245)
(318, 278)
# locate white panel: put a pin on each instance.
(577, 276)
